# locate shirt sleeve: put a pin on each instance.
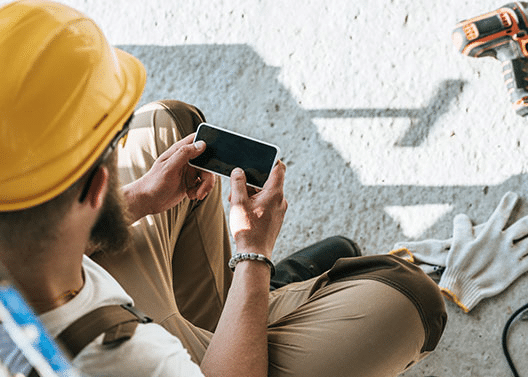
(152, 351)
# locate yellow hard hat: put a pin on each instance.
(64, 94)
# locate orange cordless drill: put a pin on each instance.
(502, 34)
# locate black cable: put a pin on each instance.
(505, 338)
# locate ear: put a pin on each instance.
(98, 187)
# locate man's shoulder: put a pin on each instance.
(151, 351)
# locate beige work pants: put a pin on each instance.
(367, 316)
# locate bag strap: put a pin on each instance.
(117, 322)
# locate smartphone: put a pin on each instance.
(226, 150)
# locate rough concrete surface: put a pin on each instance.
(387, 131)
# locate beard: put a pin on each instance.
(111, 232)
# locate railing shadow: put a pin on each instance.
(423, 118)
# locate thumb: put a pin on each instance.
(188, 152)
(238, 186)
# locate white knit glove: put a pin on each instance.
(483, 265)
(429, 255)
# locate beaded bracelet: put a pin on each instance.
(250, 256)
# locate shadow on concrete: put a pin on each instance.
(234, 87)
(422, 119)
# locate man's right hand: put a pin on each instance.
(169, 181)
(239, 346)
(256, 216)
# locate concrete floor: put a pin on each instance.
(387, 131)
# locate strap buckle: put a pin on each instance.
(143, 318)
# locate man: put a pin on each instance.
(66, 99)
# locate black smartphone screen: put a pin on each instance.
(226, 150)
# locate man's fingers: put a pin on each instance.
(174, 147)
(202, 184)
(186, 153)
(208, 182)
(252, 190)
(193, 150)
(276, 178)
(238, 186)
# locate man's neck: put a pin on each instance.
(48, 278)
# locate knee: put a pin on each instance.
(408, 279)
(426, 296)
(187, 117)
